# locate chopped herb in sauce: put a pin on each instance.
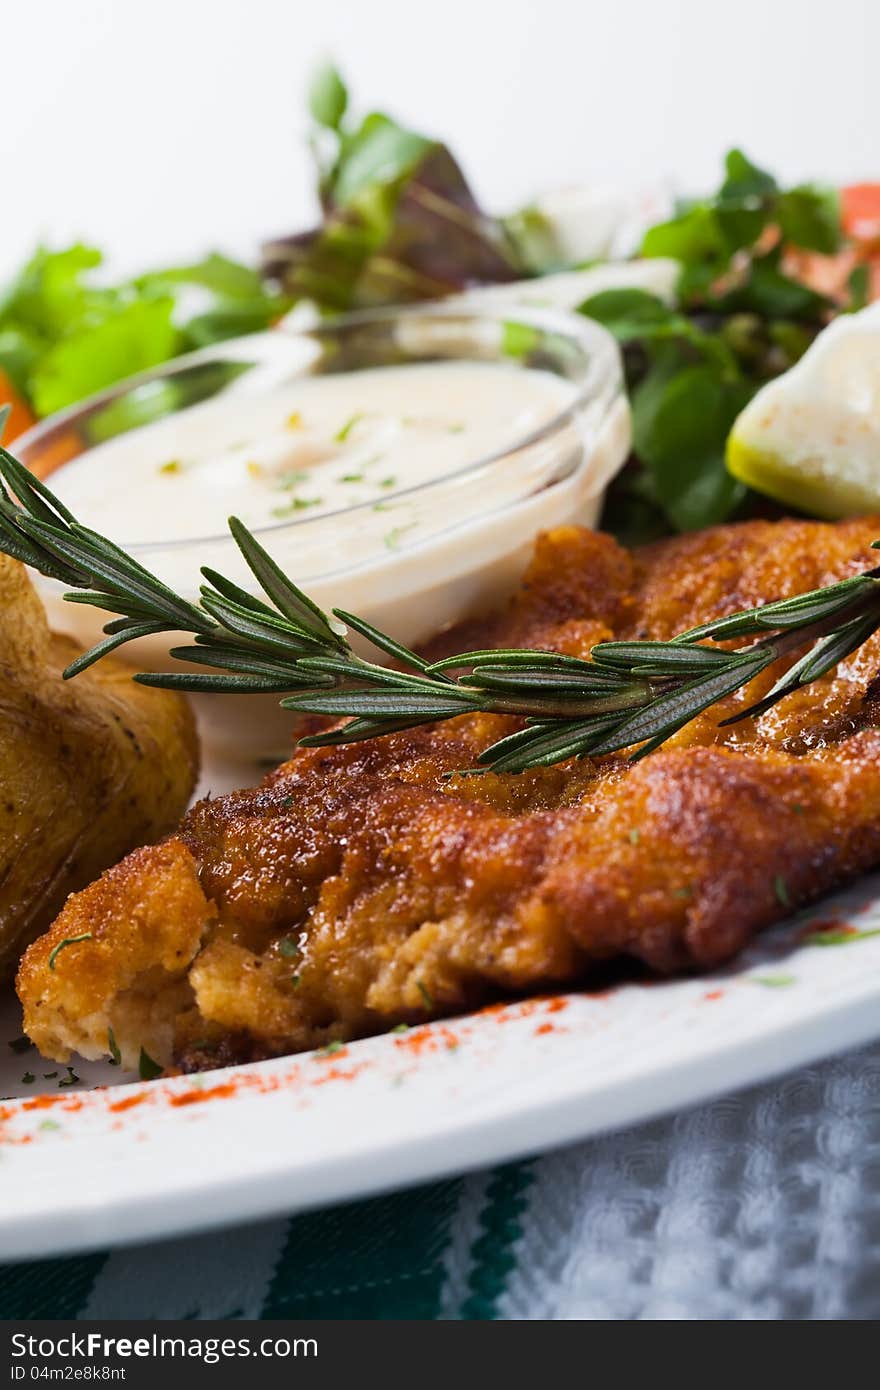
(289, 946)
(330, 1049)
(296, 504)
(425, 993)
(772, 981)
(388, 482)
(70, 1079)
(352, 478)
(400, 1028)
(28, 1079)
(285, 481)
(341, 435)
(392, 537)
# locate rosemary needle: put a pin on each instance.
(629, 694)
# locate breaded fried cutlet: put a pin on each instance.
(357, 888)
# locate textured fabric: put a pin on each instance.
(761, 1205)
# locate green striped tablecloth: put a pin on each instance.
(761, 1205)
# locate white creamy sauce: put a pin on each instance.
(438, 532)
(319, 445)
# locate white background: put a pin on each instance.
(162, 127)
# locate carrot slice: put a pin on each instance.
(21, 417)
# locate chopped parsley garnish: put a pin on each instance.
(780, 888)
(49, 1075)
(352, 478)
(400, 1028)
(28, 1079)
(296, 504)
(70, 1079)
(148, 1069)
(115, 1054)
(68, 941)
(341, 435)
(425, 993)
(392, 538)
(19, 1045)
(772, 981)
(289, 946)
(49, 1125)
(285, 481)
(330, 1049)
(842, 936)
(171, 467)
(388, 482)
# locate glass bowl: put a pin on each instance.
(460, 541)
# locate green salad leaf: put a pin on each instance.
(681, 418)
(686, 389)
(65, 335)
(399, 220)
(707, 235)
(739, 318)
(215, 299)
(327, 97)
(90, 356)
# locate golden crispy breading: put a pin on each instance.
(356, 888)
(89, 768)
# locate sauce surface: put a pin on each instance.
(317, 445)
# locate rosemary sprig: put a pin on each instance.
(629, 694)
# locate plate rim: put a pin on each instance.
(640, 1095)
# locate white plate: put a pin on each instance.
(133, 1161)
